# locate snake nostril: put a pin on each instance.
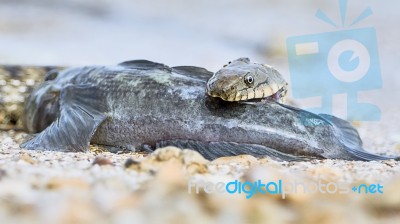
(232, 88)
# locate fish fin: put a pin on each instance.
(144, 65)
(243, 59)
(193, 72)
(213, 150)
(78, 121)
(349, 133)
(351, 140)
(361, 154)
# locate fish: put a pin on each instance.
(141, 105)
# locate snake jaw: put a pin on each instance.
(278, 96)
(227, 94)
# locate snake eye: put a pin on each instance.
(248, 79)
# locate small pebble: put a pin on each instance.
(102, 161)
(130, 162)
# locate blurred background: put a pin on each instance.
(204, 33)
(187, 32)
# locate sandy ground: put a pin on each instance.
(102, 187)
(54, 187)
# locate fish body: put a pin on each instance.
(142, 105)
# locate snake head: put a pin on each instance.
(241, 80)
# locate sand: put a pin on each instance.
(102, 187)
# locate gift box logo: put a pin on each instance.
(339, 63)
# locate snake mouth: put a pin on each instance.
(278, 96)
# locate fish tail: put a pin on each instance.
(361, 154)
(351, 140)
